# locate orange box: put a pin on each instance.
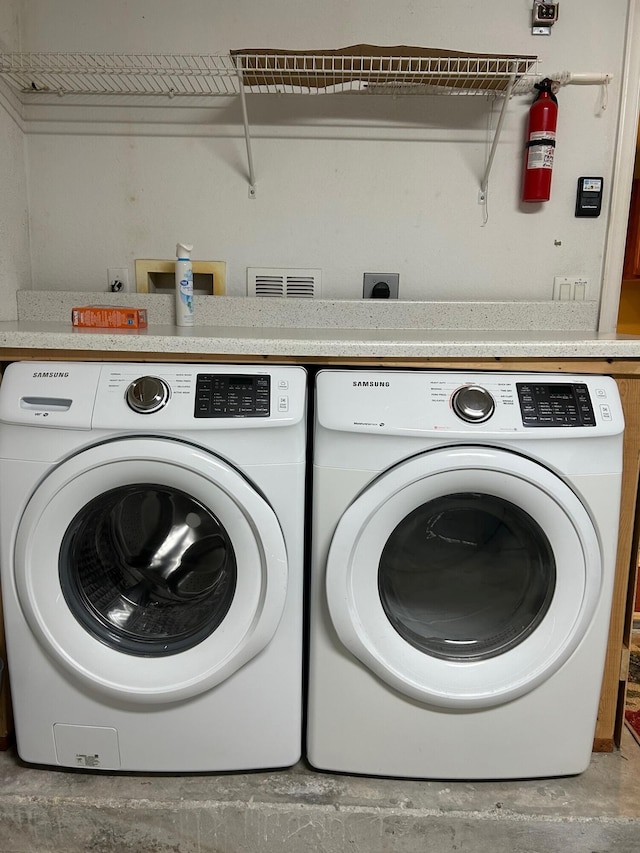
(109, 317)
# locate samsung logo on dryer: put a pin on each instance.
(365, 384)
(53, 374)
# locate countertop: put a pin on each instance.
(322, 328)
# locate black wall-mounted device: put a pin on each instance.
(589, 196)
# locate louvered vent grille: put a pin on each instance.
(299, 284)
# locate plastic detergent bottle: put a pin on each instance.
(184, 285)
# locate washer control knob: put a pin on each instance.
(473, 404)
(147, 394)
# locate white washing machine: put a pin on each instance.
(463, 549)
(152, 522)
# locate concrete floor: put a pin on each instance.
(300, 811)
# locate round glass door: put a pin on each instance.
(464, 577)
(150, 569)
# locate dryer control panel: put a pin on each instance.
(456, 403)
(554, 404)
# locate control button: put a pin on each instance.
(147, 394)
(586, 415)
(605, 412)
(601, 392)
(283, 403)
(473, 404)
(283, 384)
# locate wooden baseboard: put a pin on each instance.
(603, 744)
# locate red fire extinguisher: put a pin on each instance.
(541, 143)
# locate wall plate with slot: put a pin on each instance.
(158, 276)
(380, 285)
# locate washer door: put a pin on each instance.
(150, 569)
(464, 577)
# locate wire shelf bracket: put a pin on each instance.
(484, 184)
(247, 133)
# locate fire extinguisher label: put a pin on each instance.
(541, 149)
(540, 157)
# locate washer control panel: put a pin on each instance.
(554, 404)
(140, 396)
(220, 395)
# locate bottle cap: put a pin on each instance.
(183, 251)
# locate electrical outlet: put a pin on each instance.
(118, 280)
(543, 17)
(380, 285)
(545, 13)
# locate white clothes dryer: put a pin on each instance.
(151, 545)
(463, 551)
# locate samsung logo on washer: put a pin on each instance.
(365, 384)
(50, 375)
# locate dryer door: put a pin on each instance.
(150, 569)
(464, 577)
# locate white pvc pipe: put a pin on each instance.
(525, 85)
(586, 79)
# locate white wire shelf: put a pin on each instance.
(118, 74)
(261, 73)
(386, 73)
(392, 71)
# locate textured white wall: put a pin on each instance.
(386, 185)
(14, 233)
(10, 25)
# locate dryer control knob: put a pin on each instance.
(473, 404)
(147, 394)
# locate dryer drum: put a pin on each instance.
(147, 569)
(466, 576)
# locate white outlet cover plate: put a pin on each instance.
(570, 288)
